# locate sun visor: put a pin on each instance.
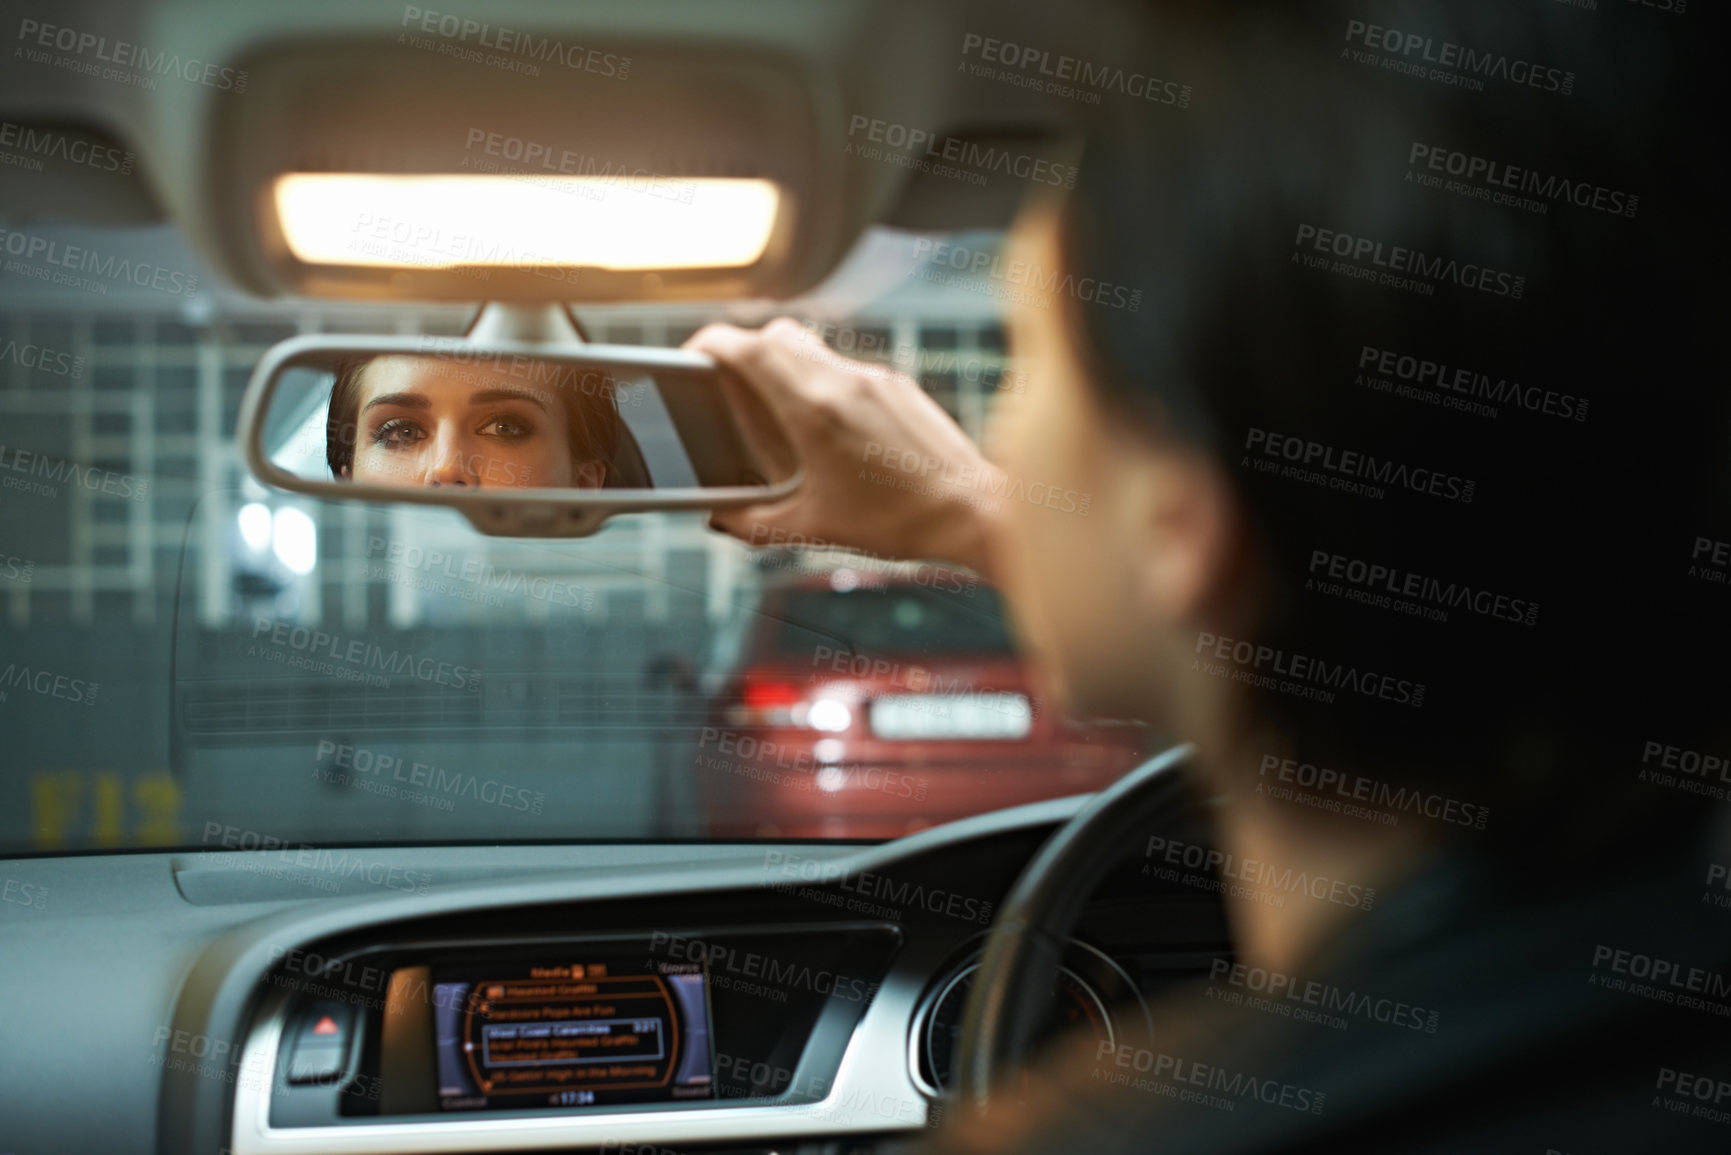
(53, 172)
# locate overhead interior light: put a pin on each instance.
(621, 223)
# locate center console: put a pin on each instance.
(664, 1021)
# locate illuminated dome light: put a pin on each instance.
(295, 540)
(844, 580)
(827, 749)
(831, 778)
(683, 222)
(828, 714)
(254, 521)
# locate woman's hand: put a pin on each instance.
(887, 471)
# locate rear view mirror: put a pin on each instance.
(526, 438)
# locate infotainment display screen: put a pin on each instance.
(592, 1031)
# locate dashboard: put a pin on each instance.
(726, 997)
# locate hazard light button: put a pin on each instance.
(321, 1045)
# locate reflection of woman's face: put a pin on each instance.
(427, 422)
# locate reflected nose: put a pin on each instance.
(452, 466)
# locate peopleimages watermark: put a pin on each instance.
(1418, 595)
(882, 354)
(1660, 980)
(384, 243)
(815, 1097)
(342, 974)
(1505, 184)
(931, 575)
(1020, 281)
(20, 468)
(55, 362)
(47, 684)
(469, 578)
(414, 781)
(940, 154)
(735, 963)
(850, 347)
(769, 1079)
(766, 1081)
(427, 243)
(518, 156)
(923, 691)
(1070, 77)
(932, 473)
(1446, 62)
(118, 60)
(1359, 796)
(1718, 877)
(797, 766)
(177, 1049)
(1307, 1000)
(509, 49)
(1710, 561)
(483, 468)
(1346, 470)
(340, 979)
(20, 893)
(207, 1057)
(1458, 388)
(1670, 7)
(1299, 675)
(448, 359)
(16, 569)
(1396, 266)
(1261, 881)
(353, 659)
(425, 583)
(1175, 1077)
(1698, 1096)
(87, 269)
(321, 867)
(869, 888)
(1680, 768)
(36, 145)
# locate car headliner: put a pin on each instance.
(204, 150)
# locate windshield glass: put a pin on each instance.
(897, 620)
(191, 659)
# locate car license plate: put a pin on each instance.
(915, 716)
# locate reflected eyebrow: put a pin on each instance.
(482, 397)
(488, 396)
(404, 400)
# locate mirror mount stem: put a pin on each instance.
(540, 324)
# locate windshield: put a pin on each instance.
(899, 620)
(191, 659)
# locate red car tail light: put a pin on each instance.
(770, 695)
(773, 701)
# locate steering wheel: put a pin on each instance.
(1014, 982)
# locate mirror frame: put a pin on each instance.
(538, 512)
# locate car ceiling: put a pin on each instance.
(724, 87)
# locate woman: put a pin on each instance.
(1390, 474)
(410, 420)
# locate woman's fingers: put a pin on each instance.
(853, 427)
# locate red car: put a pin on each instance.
(855, 704)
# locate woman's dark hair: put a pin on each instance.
(1491, 281)
(588, 396)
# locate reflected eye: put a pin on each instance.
(508, 428)
(397, 433)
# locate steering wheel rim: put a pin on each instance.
(1026, 943)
